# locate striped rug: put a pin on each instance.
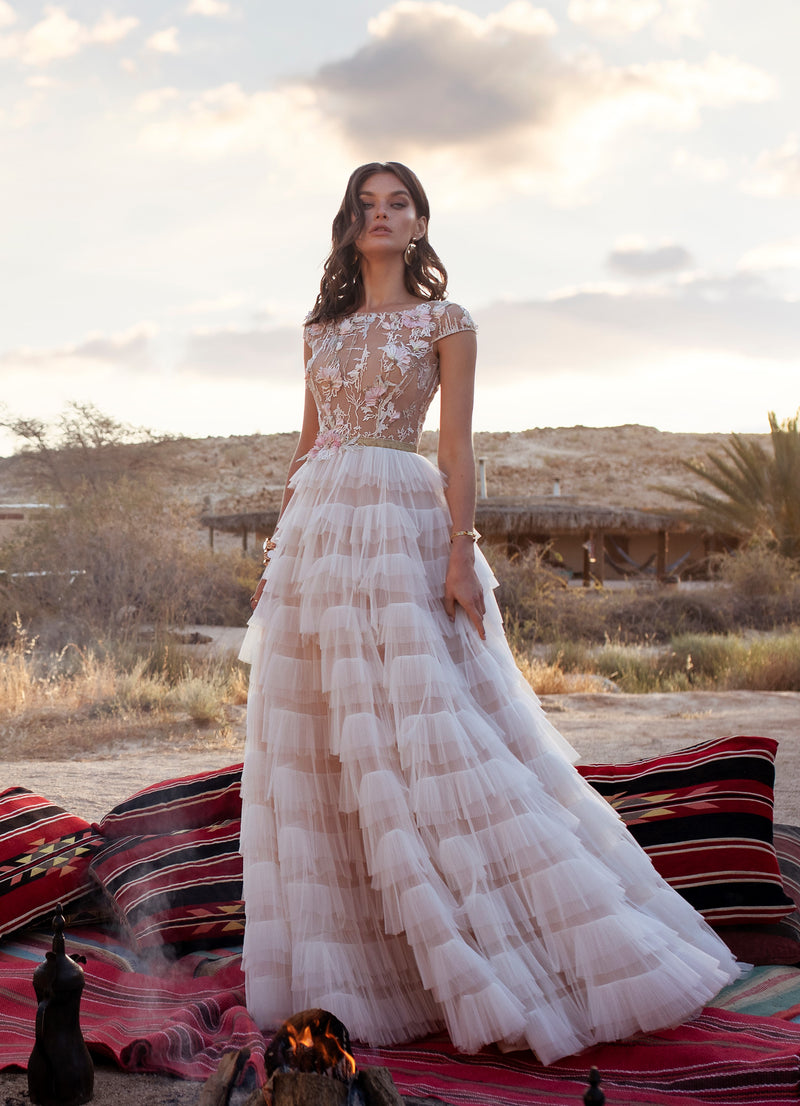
(178, 1019)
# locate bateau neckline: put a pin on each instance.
(396, 311)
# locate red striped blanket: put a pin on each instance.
(180, 1022)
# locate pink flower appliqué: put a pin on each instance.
(400, 354)
(373, 395)
(326, 439)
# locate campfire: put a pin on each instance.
(309, 1063)
(316, 1043)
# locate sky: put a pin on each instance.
(614, 189)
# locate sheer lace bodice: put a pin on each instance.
(373, 375)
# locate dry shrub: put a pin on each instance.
(536, 603)
(69, 698)
(657, 614)
(749, 663)
(762, 587)
(757, 570)
(640, 669)
(115, 559)
(18, 680)
(550, 678)
(756, 589)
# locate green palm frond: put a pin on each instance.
(752, 492)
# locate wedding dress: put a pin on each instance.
(418, 849)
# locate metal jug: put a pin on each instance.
(60, 1069)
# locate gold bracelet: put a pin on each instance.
(473, 533)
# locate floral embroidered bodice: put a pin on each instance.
(373, 375)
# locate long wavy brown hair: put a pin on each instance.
(341, 289)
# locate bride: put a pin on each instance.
(418, 849)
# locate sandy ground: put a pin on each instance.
(606, 728)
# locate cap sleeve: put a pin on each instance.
(452, 319)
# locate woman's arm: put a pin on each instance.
(457, 353)
(308, 434)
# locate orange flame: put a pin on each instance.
(324, 1042)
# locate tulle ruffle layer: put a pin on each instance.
(418, 848)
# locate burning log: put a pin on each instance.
(306, 1088)
(309, 1062)
(312, 1041)
(216, 1090)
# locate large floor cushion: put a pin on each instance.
(704, 816)
(44, 858)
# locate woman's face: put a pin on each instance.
(390, 221)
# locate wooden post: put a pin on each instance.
(661, 555)
(211, 537)
(482, 478)
(600, 557)
(244, 539)
(587, 561)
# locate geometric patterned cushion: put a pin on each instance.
(182, 888)
(44, 857)
(183, 803)
(704, 817)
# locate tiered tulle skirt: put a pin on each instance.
(418, 849)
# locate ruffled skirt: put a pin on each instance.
(418, 849)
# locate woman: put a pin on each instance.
(418, 849)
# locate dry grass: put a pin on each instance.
(80, 701)
(552, 679)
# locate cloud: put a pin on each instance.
(644, 261)
(151, 102)
(591, 331)
(58, 36)
(211, 8)
(227, 301)
(681, 19)
(668, 19)
(131, 348)
(272, 356)
(7, 14)
(772, 256)
(708, 170)
(164, 42)
(110, 28)
(503, 96)
(227, 119)
(613, 17)
(776, 172)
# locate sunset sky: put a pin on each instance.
(615, 190)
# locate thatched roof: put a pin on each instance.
(553, 515)
(560, 515)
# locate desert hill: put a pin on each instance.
(609, 466)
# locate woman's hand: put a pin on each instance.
(462, 587)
